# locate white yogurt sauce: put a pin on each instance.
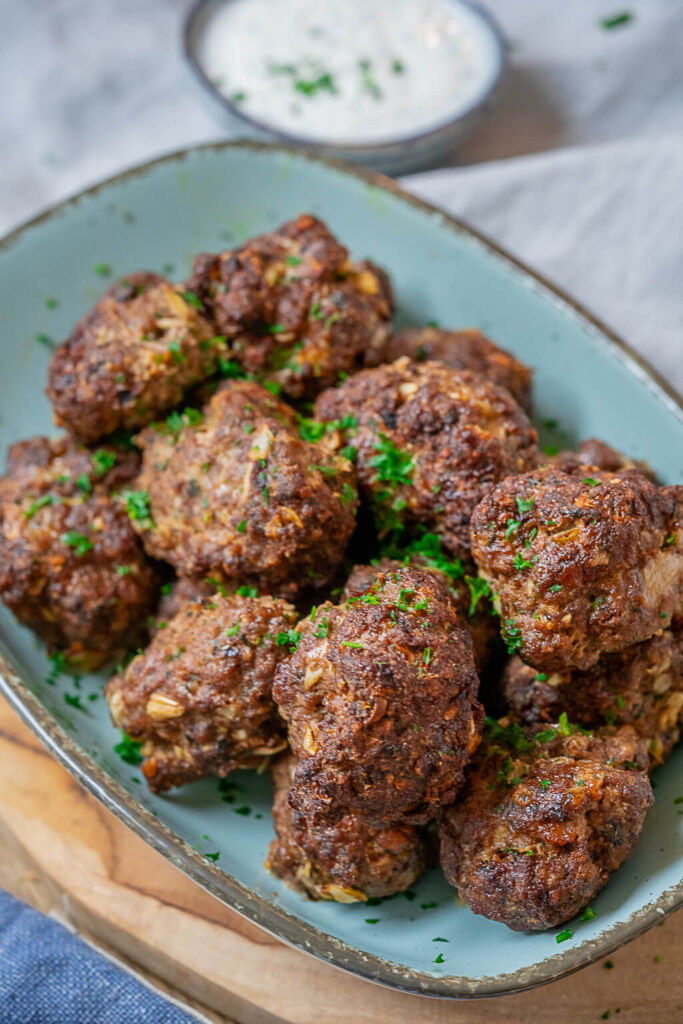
(348, 71)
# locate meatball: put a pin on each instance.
(294, 307)
(199, 697)
(348, 862)
(430, 442)
(593, 452)
(130, 358)
(543, 822)
(71, 566)
(178, 592)
(463, 583)
(380, 699)
(581, 566)
(465, 349)
(641, 686)
(236, 491)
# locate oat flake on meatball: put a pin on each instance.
(581, 565)
(294, 307)
(236, 491)
(199, 697)
(380, 700)
(430, 443)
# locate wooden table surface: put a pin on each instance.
(61, 851)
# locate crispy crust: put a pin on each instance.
(239, 492)
(594, 565)
(199, 697)
(456, 435)
(541, 827)
(294, 307)
(71, 567)
(133, 356)
(380, 700)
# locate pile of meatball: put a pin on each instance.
(326, 548)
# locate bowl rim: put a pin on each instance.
(283, 924)
(346, 149)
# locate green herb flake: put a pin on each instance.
(591, 481)
(138, 508)
(524, 504)
(78, 541)
(46, 340)
(392, 465)
(293, 261)
(103, 269)
(51, 303)
(213, 856)
(555, 589)
(242, 526)
(347, 495)
(288, 638)
(355, 644)
(123, 570)
(438, 959)
(372, 920)
(192, 299)
(512, 526)
(83, 483)
(545, 783)
(616, 20)
(478, 588)
(45, 499)
(588, 914)
(540, 677)
(563, 936)
(128, 750)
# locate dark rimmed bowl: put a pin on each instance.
(586, 378)
(411, 153)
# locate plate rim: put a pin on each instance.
(286, 926)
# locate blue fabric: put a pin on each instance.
(49, 976)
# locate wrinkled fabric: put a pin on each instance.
(50, 976)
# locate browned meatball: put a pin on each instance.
(71, 566)
(430, 443)
(294, 307)
(380, 698)
(348, 862)
(178, 592)
(199, 697)
(580, 566)
(131, 357)
(465, 349)
(468, 597)
(641, 686)
(593, 452)
(237, 491)
(544, 822)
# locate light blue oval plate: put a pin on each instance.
(209, 198)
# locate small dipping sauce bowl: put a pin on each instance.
(390, 84)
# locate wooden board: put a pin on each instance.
(64, 853)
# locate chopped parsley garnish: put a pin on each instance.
(321, 632)
(439, 938)
(45, 499)
(123, 570)
(276, 329)
(355, 644)
(521, 562)
(555, 589)
(512, 526)
(83, 483)
(233, 630)
(591, 481)
(393, 466)
(230, 368)
(311, 86)
(46, 340)
(242, 526)
(78, 541)
(128, 750)
(372, 920)
(192, 299)
(177, 355)
(347, 495)
(545, 783)
(616, 20)
(103, 269)
(238, 97)
(478, 588)
(51, 303)
(546, 736)
(310, 429)
(189, 417)
(74, 701)
(524, 504)
(243, 810)
(563, 722)
(540, 677)
(138, 508)
(246, 591)
(588, 914)
(669, 540)
(102, 461)
(58, 660)
(563, 936)
(369, 82)
(512, 636)
(293, 261)
(213, 856)
(438, 959)
(397, 66)
(288, 638)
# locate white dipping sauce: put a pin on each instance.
(348, 71)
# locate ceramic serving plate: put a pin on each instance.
(156, 218)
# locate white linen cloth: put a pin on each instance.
(92, 86)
